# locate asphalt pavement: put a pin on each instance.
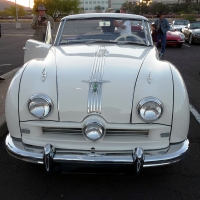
(4, 84)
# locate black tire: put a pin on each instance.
(190, 39)
(179, 45)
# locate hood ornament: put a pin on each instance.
(96, 81)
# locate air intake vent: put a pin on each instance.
(109, 132)
(72, 131)
(125, 132)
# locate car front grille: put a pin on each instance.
(115, 139)
(109, 132)
(171, 41)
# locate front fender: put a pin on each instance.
(39, 77)
(181, 111)
(155, 80)
(11, 105)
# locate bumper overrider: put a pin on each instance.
(138, 157)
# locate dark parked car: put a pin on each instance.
(192, 32)
(179, 24)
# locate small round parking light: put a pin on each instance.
(93, 130)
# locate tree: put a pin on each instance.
(12, 11)
(156, 7)
(59, 7)
(98, 9)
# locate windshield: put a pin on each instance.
(171, 28)
(182, 22)
(105, 30)
(195, 25)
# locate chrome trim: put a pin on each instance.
(48, 154)
(173, 154)
(44, 74)
(96, 82)
(44, 97)
(149, 99)
(145, 33)
(70, 131)
(59, 33)
(164, 134)
(138, 157)
(26, 131)
(126, 132)
(109, 132)
(96, 126)
(149, 78)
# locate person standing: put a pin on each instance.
(39, 23)
(125, 26)
(162, 26)
(154, 32)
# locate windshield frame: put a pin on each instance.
(143, 20)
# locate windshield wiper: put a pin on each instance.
(72, 41)
(134, 43)
(99, 41)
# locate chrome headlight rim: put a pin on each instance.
(43, 97)
(93, 123)
(182, 36)
(146, 100)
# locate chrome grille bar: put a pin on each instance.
(62, 130)
(109, 132)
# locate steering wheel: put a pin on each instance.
(129, 35)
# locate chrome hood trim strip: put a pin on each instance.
(95, 82)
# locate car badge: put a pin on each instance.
(44, 74)
(149, 78)
(95, 88)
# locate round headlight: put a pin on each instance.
(40, 105)
(150, 109)
(93, 130)
(182, 36)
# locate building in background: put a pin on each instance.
(90, 6)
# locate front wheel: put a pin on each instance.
(190, 39)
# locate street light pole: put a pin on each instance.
(18, 25)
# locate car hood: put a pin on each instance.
(179, 26)
(173, 34)
(99, 81)
(196, 31)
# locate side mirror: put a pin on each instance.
(48, 37)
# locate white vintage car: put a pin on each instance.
(97, 94)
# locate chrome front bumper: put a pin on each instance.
(160, 157)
